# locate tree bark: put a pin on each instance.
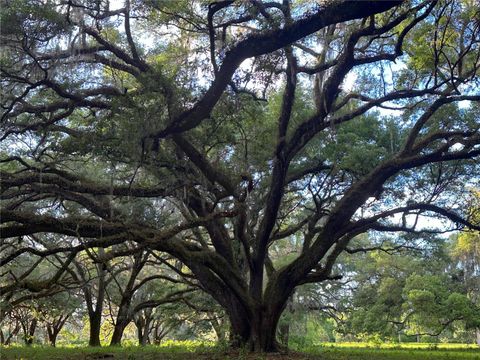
(7, 338)
(257, 333)
(95, 319)
(158, 333)
(123, 318)
(29, 334)
(477, 336)
(283, 333)
(95, 313)
(142, 333)
(52, 336)
(217, 325)
(118, 330)
(54, 328)
(143, 324)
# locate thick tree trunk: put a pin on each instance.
(477, 335)
(256, 334)
(95, 325)
(239, 327)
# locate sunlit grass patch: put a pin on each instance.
(166, 350)
(394, 351)
(186, 345)
(91, 353)
(393, 354)
(387, 345)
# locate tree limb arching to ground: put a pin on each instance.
(109, 139)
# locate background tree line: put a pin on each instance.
(398, 294)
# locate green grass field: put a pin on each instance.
(195, 351)
(345, 353)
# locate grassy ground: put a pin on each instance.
(346, 351)
(395, 354)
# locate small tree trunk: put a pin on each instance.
(54, 328)
(52, 338)
(29, 335)
(95, 326)
(157, 339)
(140, 337)
(143, 327)
(123, 317)
(144, 340)
(477, 335)
(283, 333)
(122, 320)
(52, 333)
(219, 329)
(159, 332)
(142, 334)
(118, 332)
(5, 340)
(284, 328)
(95, 312)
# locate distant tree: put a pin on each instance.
(135, 293)
(29, 291)
(433, 303)
(466, 250)
(56, 310)
(400, 286)
(9, 327)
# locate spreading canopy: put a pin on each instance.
(214, 131)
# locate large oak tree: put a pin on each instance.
(213, 131)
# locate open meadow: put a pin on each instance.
(186, 351)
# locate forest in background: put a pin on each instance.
(425, 293)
